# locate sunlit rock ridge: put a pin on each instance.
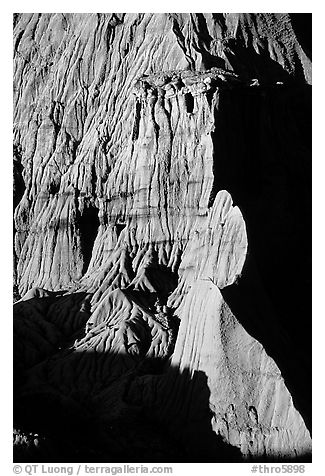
(145, 149)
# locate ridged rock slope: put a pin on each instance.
(124, 240)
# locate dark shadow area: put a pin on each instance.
(262, 144)
(182, 407)
(250, 64)
(18, 192)
(150, 412)
(160, 278)
(136, 123)
(109, 407)
(18, 181)
(69, 428)
(302, 26)
(33, 325)
(244, 59)
(163, 279)
(252, 307)
(189, 103)
(54, 188)
(160, 417)
(119, 227)
(88, 227)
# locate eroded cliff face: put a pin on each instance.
(127, 240)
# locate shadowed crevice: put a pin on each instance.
(262, 150)
(88, 227)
